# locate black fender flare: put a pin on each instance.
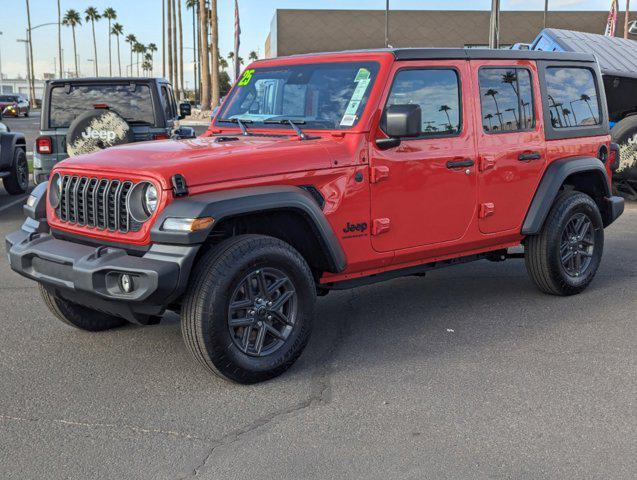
(552, 180)
(229, 203)
(8, 143)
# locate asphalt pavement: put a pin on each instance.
(468, 373)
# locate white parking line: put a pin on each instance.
(14, 203)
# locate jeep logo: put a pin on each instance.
(98, 134)
(355, 227)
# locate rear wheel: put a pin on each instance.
(79, 316)
(17, 182)
(563, 258)
(247, 315)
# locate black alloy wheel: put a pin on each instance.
(262, 312)
(578, 245)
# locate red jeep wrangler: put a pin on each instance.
(326, 172)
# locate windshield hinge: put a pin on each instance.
(180, 189)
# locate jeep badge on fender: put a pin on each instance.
(238, 231)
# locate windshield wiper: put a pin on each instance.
(293, 123)
(238, 121)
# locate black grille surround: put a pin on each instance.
(96, 203)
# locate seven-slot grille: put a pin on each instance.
(96, 202)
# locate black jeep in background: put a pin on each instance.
(87, 114)
(14, 169)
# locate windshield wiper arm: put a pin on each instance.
(293, 123)
(238, 121)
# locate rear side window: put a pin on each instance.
(168, 103)
(134, 103)
(438, 94)
(506, 96)
(572, 97)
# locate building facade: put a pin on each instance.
(304, 31)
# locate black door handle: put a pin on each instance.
(460, 164)
(525, 157)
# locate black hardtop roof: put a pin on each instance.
(63, 81)
(616, 56)
(405, 54)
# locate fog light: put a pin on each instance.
(31, 201)
(126, 283)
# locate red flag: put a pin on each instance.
(237, 41)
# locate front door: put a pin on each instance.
(511, 142)
(424, 191)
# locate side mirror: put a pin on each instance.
(183, 133)
(185, 109)
(398, 122)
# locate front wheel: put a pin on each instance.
(564, 257)
(247, 314)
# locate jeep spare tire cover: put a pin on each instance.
(96, 130)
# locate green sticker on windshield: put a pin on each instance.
(245, 79)
(362, 74)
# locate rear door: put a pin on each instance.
(511, 145)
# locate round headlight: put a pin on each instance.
(55, 190)
(150, 199)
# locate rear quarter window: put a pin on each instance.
(572, 98)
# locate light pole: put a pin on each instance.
(626, 15)
(26, 48)
(387, 24)
(1, 85)
(546, 12)
(494, 28)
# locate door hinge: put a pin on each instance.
(379, 173)
(486, 163)
(380, 225)
(486, 210)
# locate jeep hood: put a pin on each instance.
(207, 160)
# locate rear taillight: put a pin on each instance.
(613, 157)
(44, 145)
(161, 136)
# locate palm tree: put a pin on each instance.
(147, 67)
(223, 63)
(72, 19)
(110, 14)
(169, 26)
(152, 48)
(118, 30)
(511, 78)
(140, 49)
(566, 112)
(181, 51)
(60, 40)
(488, 118)
(231, 58)
(204, 51)
(253, 56)
(93, 16)
(214, 38)
(586, 99)
(492, 93)
(132, 40)
(446, 108)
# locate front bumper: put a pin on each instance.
(615, 207)
(90, 276)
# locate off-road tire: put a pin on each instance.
(17, 183)
(79, 316)
(26, 113)
(205, 309)
(543, 255)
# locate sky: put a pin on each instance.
(143, 18)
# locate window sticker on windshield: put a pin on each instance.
(362, 74)
(352, 107)
(245, 79)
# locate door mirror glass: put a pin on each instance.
(185, 110)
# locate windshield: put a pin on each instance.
(8, 98)
(326, 96)
(133, 102)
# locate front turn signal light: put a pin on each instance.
(187, 224)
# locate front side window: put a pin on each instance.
(326, 96)
(437, 92)
(133, 102)
(572, 97)
(166, 100)
(506, 97)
